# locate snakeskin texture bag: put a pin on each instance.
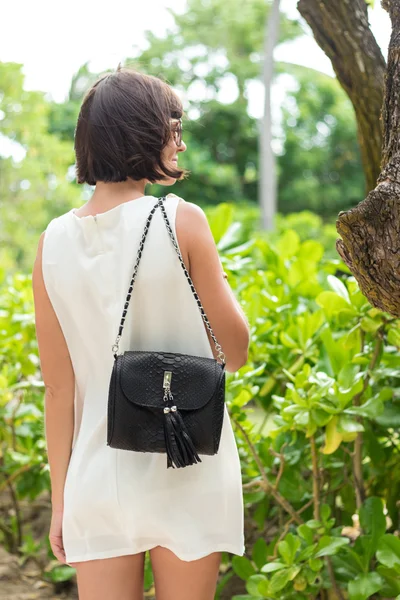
(162, 401)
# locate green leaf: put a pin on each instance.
(364, 586)
(220, 219)
(346, 316)
(288, 548)
(338, 286)
(328, 545)
(18, 457)
(370, 409)
(393, 337)
(348, 425)
(372, 520)
(390, 416)
(243, 397)
(231, 237)
(60, 573)
(325, 512)
(313, 524)
(273, 566)
(347, 376)
(253, 583)
(288, 244)
(306, 533)
(391, 585)
(281, 578)
(287, 340)
(311, 250)
(388, 552)
(374, 449)
(28, 410)
(302, 418)
(333, 437)
(320, 417)
(259, 552)
(251, 373)
(332, 304)
(338, 357)
(349, 564)
(310, 576)
(352, 339)
(263, 588)
(243, 567)
(316, 564)
(306, 553)
(370, 325)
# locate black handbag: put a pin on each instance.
(166, 402)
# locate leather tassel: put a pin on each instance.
(188, 449)
(173, 458)
(183, 453)
(180, 449)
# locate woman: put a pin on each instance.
(110, 506)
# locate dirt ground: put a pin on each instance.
(24, 581)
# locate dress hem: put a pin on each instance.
(181, 556)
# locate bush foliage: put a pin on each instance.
(316, 414)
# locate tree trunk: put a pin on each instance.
(370, 243)
(267, 186)
(370, 231)
(342, 30)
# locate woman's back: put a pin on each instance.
(117, 502)
(109, 503)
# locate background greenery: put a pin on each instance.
(318, 158)
(316, 410)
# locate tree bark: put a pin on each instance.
(370, 244)
(342, 30)
(267, 185)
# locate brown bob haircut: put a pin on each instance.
(123, 127)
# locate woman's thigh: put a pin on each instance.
(176, 579)
(119, 578)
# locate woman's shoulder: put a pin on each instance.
(55, 226)
(59, 221)
(191, 224)
(188, 213)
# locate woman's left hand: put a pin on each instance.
(55, 535)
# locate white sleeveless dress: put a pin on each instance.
(118, 502)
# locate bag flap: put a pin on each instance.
(194, 379)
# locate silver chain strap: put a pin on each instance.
(160, 204)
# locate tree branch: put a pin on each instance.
(267, 486)
(370, 244)
(342, 30)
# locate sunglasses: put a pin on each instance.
(176, 129)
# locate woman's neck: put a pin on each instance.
(107, 195)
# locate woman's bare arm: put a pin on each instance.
(59, 380)
(201, 257)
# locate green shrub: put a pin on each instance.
(316, 413)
